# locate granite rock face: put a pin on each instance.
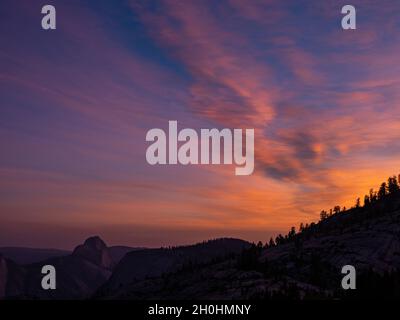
(95, 250)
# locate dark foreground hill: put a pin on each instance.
(152, 263)
(90, 266)
(301, 265)
(78, 274)
(304, 264)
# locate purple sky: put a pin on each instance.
(76, 103)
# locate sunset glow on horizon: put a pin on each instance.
(77, 102)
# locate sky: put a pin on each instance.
(76, 104)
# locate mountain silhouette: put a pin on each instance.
(80, 274)
(11, 278)
(23, 255)
(95, 250)
(300, 265)
(142, 264)
(304, 264)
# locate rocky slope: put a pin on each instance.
(150, 263)
(11, 278)
(302, 265)
(80, 274)
(307, 265)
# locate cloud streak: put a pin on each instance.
(76, 108)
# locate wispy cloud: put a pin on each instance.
(76, 107)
